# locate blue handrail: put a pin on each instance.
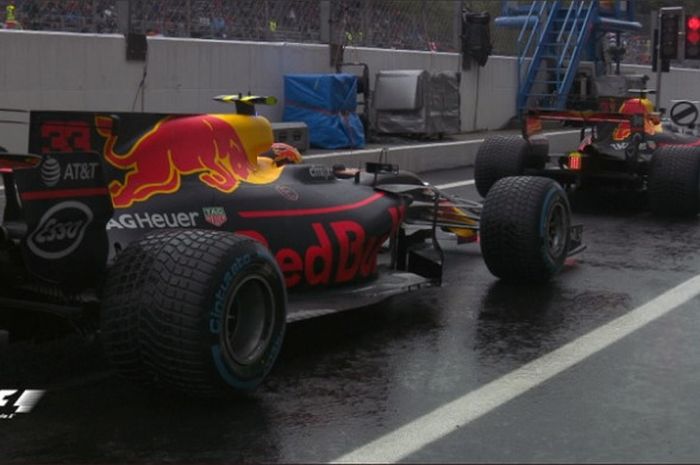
(565, 50)
(573, 63)
(566, 22)
(556, 31)
(527, 21)
(537, 56)
(536, 24)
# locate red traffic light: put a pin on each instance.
(694, 37)
(693, 23)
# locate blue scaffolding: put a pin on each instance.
(555, 36)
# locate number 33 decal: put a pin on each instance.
(65, 136)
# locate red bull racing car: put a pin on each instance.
(629, 149)
(195, 239)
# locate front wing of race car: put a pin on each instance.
(431, 207)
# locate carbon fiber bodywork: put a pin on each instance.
(326, 231)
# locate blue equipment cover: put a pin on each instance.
(327, 103)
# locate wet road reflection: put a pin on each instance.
(346, 379)
(521, 323)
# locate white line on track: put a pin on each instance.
(452, 185)
(444, 420)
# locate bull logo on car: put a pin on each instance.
(206, 145)
(641, 107)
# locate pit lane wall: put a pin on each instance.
(52, 71)
(63, 71)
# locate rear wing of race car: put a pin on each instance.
(532, 121)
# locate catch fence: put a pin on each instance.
(398, 24)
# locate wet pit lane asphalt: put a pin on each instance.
(344, 384)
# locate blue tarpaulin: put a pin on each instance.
(327, 103)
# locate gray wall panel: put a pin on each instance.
(42, 70)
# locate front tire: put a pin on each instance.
(524, 231)
(203, 312)
(674, 181)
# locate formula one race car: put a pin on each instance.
(195, 239)
(630, 149)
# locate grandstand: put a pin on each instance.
(400, 24)
(406, 24)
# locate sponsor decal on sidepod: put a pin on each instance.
(52, 172)
(153, 220)
(215, 215)
(322, 263)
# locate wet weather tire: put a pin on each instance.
(524, 232)
(499, 157)
(674, 181)
(203, 312)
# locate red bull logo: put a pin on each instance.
(339, 252)
(208, 146)
(635, 106)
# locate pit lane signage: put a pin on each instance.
(684, 113)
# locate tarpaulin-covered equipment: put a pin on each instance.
(327, 103)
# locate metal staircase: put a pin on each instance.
(555, 36)
(551, 41)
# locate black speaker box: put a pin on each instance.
(136, 47)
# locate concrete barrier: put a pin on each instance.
(432, 156)
(89, 72)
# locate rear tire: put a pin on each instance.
(499, 157)
(674, 181)
(203, 312)
(524, 231)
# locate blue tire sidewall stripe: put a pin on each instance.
(216, 315)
